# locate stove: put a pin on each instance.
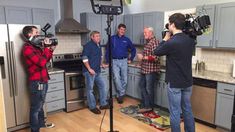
(75, 96)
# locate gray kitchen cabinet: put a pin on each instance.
(222, 19)
(118, 20)
(137, 29)
(224, 105)
(128, 19)
(18, 15)
(225, 34)
(55, 99)
(160, 92)
(133, 86)
(92, 22)
(206, 40)
(42, 17)
(2, 15)
(155, 20)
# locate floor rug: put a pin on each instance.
(157, 118)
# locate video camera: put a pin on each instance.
(194, 26)
(38, 40)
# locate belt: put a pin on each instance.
(119, 58)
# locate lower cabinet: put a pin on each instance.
(55, 98)
(224, 105)
(133, 80)
(160, 92)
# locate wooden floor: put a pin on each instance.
(85, 121)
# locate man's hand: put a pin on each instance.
(167, 36)
(47, 42)
(139, 56)
(91, 71)
(104, 65)
(129, 61)
(52, 47)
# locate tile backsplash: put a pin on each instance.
(68, 43)
(216, 59)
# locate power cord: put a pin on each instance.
(102, 119)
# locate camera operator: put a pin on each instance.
(36, 58)
(178, 49)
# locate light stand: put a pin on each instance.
(109, 10)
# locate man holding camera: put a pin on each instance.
(35, 59)
(178, 48)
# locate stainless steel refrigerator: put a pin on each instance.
(14, 76)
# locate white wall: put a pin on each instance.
(139, 6)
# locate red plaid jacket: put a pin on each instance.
(36, 59)
(149, 66)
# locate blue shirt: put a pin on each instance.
(120, 48)
(92, 52)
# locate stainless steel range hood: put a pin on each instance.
(68, 24)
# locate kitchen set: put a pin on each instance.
(213, 71)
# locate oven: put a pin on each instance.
(75, 94)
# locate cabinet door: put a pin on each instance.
(156, 21)
(18, 15)
(128, 19)
(92, 22)
(165, 103)
(137, 29)
(2, 15)
(224, 109)
(136, 87)
(225, 20)
(206, 40)
(130, 87)
(157, 93)
(118, 20)
(42, 17)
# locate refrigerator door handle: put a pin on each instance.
(9, 68)
(14, 73)
(2, 67)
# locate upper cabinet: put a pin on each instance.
(225, 20)
(206, 40)
(222, 19)
(42, 17)
(18, 15)
(136, 22)
(2, 15)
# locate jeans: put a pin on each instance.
(37, 98)
(90, 80)
(179, 98)
(147, 89)
(120, 76)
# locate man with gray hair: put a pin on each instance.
(150, 67)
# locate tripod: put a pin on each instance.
(108, 31)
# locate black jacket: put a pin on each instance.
(178, 50)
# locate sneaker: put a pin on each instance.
(49, 125)
(120, 99)
(95, 111)
(143, 110)
(104, 107)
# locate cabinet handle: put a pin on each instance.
(54, 97)
(229, 90)
(53, 79)
(53, 87)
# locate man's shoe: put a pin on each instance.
(104, 107)
(143, 110)
(120, 99)
(95, 111)
(49, 125)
